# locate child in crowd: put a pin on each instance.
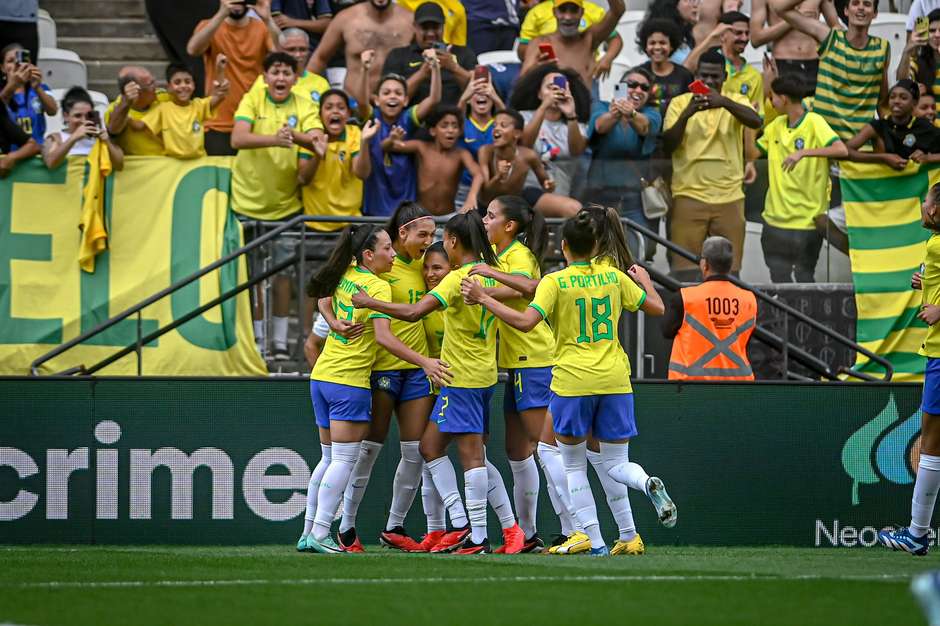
(394, 179)
(178, 123)
(927, 107)
(900, 136)
(26, 96)
(505, 165)
(82, 128)
(797, 145)
(479, 103)
(440, 161)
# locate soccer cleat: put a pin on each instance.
(469, 547)
(902, 539)
(665, 508)
(430, 540)
(452, 541)
(533, 544)
(633, 547)
(926, 588)
(513, 540)
(322, 546)
(557, 540)
(281, 354)
(398, 539)
(575, 544)
(602, 551)
(349, 541)
(302, 544)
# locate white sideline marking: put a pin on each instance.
(438, 580)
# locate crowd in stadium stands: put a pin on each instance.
(414, 117)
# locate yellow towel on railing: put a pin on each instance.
(94, 232)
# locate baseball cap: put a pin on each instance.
(559, 3)
(429, 12)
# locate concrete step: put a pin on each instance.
(114, 48)
(61, 9)
(107, 87)
(95, 27)
(108, 70)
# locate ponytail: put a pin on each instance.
(406, 213)
(532, 229)
(352, 242)
(611, 240)
(469, 230)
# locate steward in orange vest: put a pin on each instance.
(717, 320)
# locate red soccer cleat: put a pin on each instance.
(430, 540)
(349, 541)
(513, 541)
(475, 548)
(398, 539)
(451, 541)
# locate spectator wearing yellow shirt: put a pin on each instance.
(455, 18)
(124, 116)
(179, 122)
(732, 35)
(309, 86)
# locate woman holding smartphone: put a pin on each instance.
(82, 128)
(920, 60)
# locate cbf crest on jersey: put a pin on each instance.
(799, 143)
(909, 140)
(292, 121)
(315, 96)
(196, 126)
(745, 88)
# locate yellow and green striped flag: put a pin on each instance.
(887, 245)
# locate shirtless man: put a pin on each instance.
(378, 25)
(505, 165)
(794, 52)
(574, 49)
(440, 162)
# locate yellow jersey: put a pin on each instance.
(180, 127)
(583, 303)
(516, 348)
(344, 361)
(747, 82)
(407, 284)
(264, 180)
(309, 86)
(540, 20)
(455, 18)
(796, 197)
(335, 189)
(469, 333)
(931, 286)
(138, 142)
(434, 331)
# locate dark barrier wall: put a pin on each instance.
(227, 461)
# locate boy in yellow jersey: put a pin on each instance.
(179, 122)
(916, 538)
(309, 86)
(583, 303)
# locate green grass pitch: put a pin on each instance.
(261, 585)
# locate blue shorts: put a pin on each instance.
(931, 400)
(527, 388)
(609, 417)
(462, 410)
(402, 385)
(332, 401)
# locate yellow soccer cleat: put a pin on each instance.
(576, 543)
(633, 547)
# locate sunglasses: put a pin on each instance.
(635, 84)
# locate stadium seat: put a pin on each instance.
(62, 68)
(505, 57)
(47, 30)
(336, 76)
(54, 123)
(893, 27)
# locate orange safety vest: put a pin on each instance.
(712, 342)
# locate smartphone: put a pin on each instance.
(440, 46)
(481, 72)
(22, 57)
(699, 88)
(95, 118)
(546, 48)
(620, 91)
(922, 26)
(560, 81)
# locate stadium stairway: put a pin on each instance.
(107, 34)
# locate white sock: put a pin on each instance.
(258, 325)
(925, 494)
(314, 486)
(332, 486)
(618, 498)
(630, 474)
(498, 496)
(356, 489)
(475, 488)
(280, 331)
(579, 490)
(445, 479)
(554, 469)
(525, 492)
(405, 485)
(431, 499)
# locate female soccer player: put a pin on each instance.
(397, 386)
(462, 408)
(339, 386)
(584, 302)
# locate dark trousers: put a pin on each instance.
(487, 37)
(24, 33)
(791, 253)
(219, 144)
